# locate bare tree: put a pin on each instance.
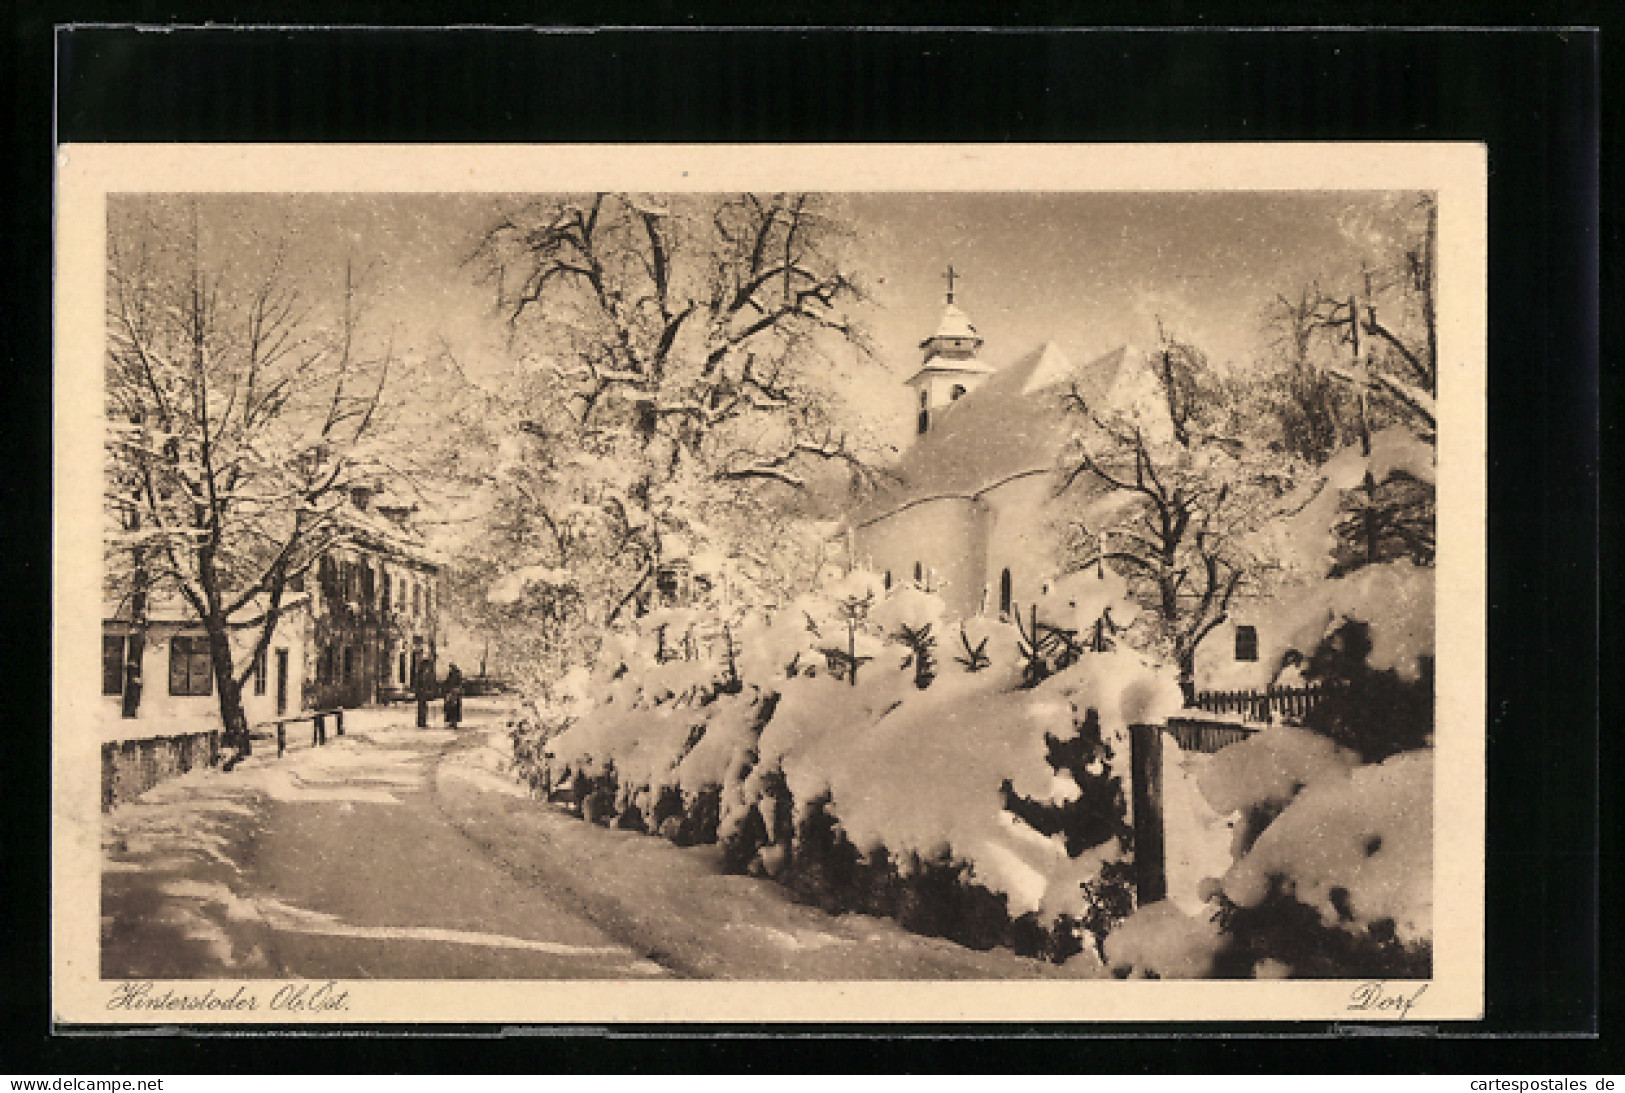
(1186, 491)
(1314, 409)
(1384, 333)
(237, 424)
(678, 346)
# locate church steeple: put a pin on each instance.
(949, 368)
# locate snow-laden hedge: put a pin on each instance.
(986, 798)
(964, 799)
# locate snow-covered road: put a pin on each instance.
(402, 853)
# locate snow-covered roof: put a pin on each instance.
(166, 607)
(955, 324)
(370, 529)
(1013, 424)
(954, 364)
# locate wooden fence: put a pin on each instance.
(131, 767)
(1198, 734)
(1264, 706)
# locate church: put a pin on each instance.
(968, 515)
(970, 511)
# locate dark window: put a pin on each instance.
(417, 599)
(888, 580)
(957, 393)
(113, 664)
(1005, 593)
(404, 678)
(925, 412)
(259, 672)
(189, 672)
(919, 573)
(349, 663)
(1246, 643)
(366, 585)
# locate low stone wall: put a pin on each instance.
(131, 767)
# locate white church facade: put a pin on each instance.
(969, 515)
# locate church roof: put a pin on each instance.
(955, 324)
(954, 364)
(1013, 424)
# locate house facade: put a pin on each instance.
(352, 631)
(375, 609)
(176, 682)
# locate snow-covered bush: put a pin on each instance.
(1093, 602)
(1357, 849)
(770, 645)
(1256, 778)
(1334, 877)
(1161, 942)
(909, 616)
(974, 806)
(985, 642)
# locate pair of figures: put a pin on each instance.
(452, 692)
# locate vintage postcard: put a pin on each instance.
(549, 585)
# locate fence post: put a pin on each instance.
(1145, 766)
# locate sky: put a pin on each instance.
(1090, 271)
(1095, 271)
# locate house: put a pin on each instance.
(969, 515)
(177, 693)
(351, 632)
(375, 607)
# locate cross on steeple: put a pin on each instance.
(949, 276)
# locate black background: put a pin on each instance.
(1533, 97)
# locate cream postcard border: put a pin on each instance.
(1458, 172)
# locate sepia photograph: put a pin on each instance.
(953, 582)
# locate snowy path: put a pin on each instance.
(403, 853)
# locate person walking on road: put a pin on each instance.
(454, 696)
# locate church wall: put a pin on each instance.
(1020, 537)
(946, 536)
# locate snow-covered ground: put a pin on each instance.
(398, 852)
